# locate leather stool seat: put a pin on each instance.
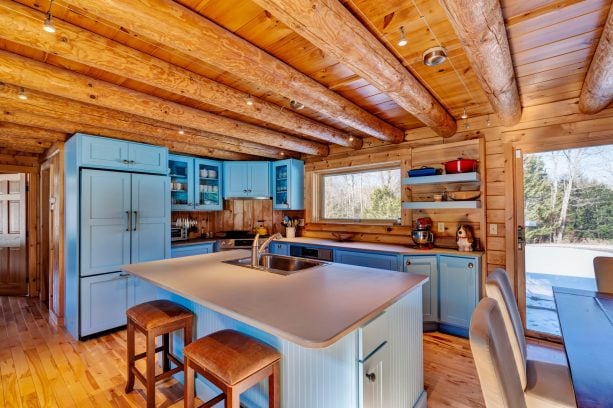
(233, 362)
(157, 313)
(153, 319)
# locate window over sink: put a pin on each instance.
(370, 194)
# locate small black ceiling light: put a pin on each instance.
(48, 24)
(296, 105)
(435, 56)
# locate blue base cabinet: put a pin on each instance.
(190, 250)
(279, 248)
(104, 300)
(368, 259)
(428, 266)
(459, 289)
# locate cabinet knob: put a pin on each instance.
(408, 262)
(126, 161)
(371, 377)
(471, 265)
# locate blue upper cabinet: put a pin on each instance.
(181, 182)
(114, 154)
(288, 185)
(246, 179)
(459, 289)
(208, 184)
(368, 259)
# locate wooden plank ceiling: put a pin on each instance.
(184, 83)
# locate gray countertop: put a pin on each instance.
(313, 308)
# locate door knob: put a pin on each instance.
(371, 377)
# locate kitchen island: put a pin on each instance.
(333, 325)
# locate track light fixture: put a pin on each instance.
(464, 115)
(402, 40)
(48, 24)
(22, 94)
(296, 105)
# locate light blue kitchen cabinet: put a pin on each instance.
(208, 185)
(426, 265)
(368, 259)
(112, 218)
(288, 185)
(140, 291)
(459, 291)
(115, 154)
(246, 179)
(150, 218)
(195, 249)
(104, 300)
(279, 248)
(182, 187)
(106, 215)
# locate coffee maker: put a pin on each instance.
(422, 233)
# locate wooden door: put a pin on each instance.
(13, 255)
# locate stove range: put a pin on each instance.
(236, 239)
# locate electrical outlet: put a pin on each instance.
(301, 222)
(441, 227)
(493, 229)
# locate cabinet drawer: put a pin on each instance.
(104, 300)
(368, 259)
(189, 250)
(372, 335)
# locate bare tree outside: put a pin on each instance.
(366, 195)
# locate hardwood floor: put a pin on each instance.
(42, 366)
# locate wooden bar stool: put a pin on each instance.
(234, 362)
(153, 319)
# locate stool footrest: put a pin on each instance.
(144, 353)
(210, 403)
(158, 377)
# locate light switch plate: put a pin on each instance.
(493, 229)
(441, 227)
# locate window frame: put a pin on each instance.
(318, 194)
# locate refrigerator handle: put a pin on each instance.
(129, 221)
(135, 220)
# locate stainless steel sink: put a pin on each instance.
(280, 264)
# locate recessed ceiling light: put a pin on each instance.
(435, 56)
(402, 40)
(181, 131)
(22, 94)
(249, 100)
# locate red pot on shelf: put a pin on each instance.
(460, 166)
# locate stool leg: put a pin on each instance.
(165, 345)
(274, 386)
(150, 376)
(188, 389)
(233, 398)
(130, 340)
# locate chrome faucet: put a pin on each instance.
(257, 252)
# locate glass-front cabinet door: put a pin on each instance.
(281, 172)
(288, 184)
(181, 182)
(208, 177)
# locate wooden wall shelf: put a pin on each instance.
(472, 177)
(422, 205)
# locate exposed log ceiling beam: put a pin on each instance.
(480, 27)
(597, 90)
(169, 23)
(44, 77)
(21, 24)
(332, 28)
(69, 127)
(97, 120)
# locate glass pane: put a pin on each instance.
(281, 185)
(179, 182)
(368, 195)
(568, 211)
(208, 189)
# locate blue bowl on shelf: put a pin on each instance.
(424, 171)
